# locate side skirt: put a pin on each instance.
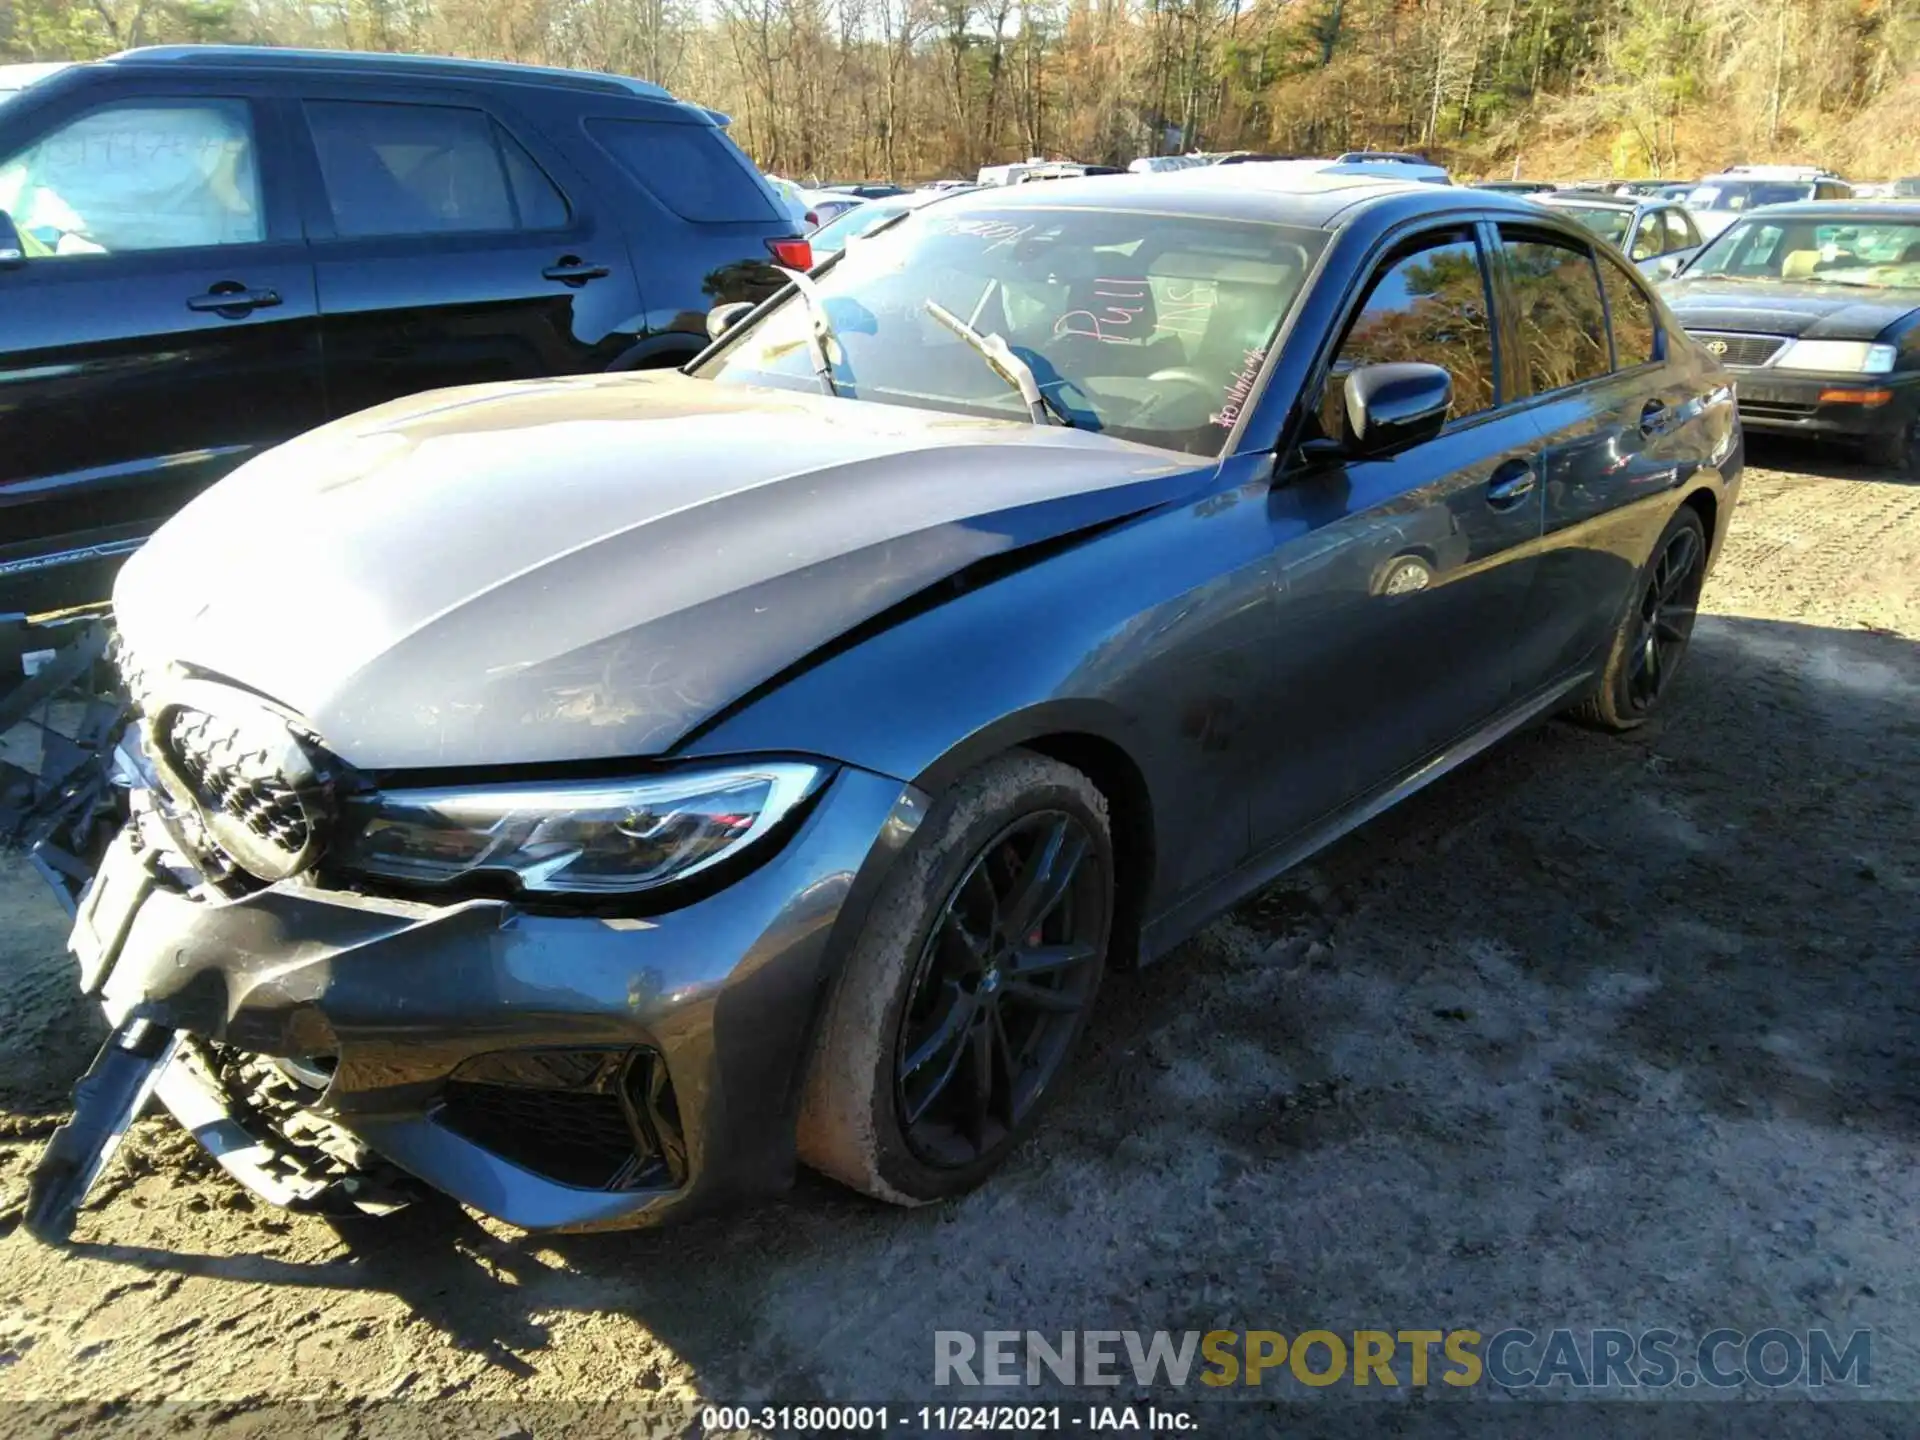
(1190, 915)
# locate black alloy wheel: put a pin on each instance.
(1001, 983)
(1667, 610)
(952, 1021)
(1654, 629)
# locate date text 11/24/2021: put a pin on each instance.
(1003, 1419)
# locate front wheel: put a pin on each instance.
(1898, 450)
(1655, 631)
(961, 1003)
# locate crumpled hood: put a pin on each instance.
(589, 567)
(1817, 311)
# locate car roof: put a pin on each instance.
(1291, 192)
(1896, 211)
(267, 57)
(1597, 200)
(18, 77)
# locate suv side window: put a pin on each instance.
(426, 170)
(1635, 330)
(694, 170)
(1428, 303)
(139, 175)
(1562, 322)
(1680, 232)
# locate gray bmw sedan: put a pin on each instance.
(596, 797)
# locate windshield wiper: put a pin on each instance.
(819, 328)
(1004, 363)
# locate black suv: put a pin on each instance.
(209, 249)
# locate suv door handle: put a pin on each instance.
(233, 300)
(1655, 419)
(1511, 484)
(572, 270)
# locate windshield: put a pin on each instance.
(1150, 327)
(1826, 252)
(1608, 223)
(1748, 194)
(830, 239)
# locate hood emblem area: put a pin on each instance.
(258, 790)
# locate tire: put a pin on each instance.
(1898, 451)
(905, 986)
(1620, 701)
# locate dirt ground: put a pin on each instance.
(1597, 1031)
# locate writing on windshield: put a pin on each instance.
(1145, 326)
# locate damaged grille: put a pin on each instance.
(592, 1119)
(226, 776)
(252, 781)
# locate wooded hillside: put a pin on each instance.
(913, 89)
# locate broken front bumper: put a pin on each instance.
(494, 1052)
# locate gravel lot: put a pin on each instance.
(1594, 1032)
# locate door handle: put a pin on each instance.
(1510, 484)
(572, 270)
(233, 300)
(1655, 419)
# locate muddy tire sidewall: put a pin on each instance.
(849, 1127)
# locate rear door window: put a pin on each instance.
(392, 169)
(694, 170)
(1557, 306)
(1635, 329)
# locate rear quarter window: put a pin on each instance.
(694, 170)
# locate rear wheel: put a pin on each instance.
(962, 1001)
(1654, 634)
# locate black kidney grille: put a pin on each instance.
(227, 775)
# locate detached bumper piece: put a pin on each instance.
(58, 728)
(251, 1116)
(105, 1103)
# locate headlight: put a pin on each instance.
(1856, 357)
(609, 837)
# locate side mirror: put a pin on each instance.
(723, 318)
(1392, 407)
(13, 251)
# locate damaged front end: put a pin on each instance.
(345, 988)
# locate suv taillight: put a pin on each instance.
(794, 254)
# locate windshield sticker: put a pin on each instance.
(1240, 388)
(1113, 323)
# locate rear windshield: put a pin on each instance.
(694, 170)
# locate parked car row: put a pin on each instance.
(214, 248)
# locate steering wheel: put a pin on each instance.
(1208, 390)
